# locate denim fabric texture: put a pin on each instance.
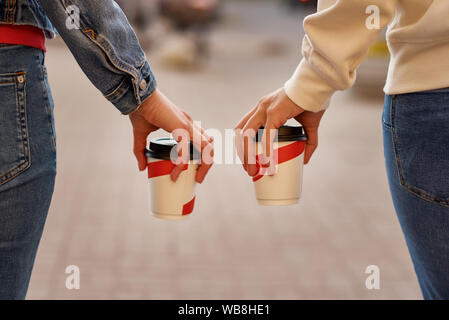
(105, 45)
(26, 12)
(27, 163)
(416, 146)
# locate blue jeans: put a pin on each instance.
(27, 163)
(416, 145)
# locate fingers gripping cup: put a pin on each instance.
(285, 186)
(170, 200)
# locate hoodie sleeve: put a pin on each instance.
(337, 40)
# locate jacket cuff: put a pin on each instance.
(307, 89)
(132, 91)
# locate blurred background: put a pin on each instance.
(215, 59)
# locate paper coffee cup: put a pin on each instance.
(285, 186)
(170, 200)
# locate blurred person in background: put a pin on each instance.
(137, 12)
(192, 16)
(107, 50)
(309, 5)
(141, 14)
(415, 117)
(189, 13)
(180, 27)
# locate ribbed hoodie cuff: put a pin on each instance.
(307, 89)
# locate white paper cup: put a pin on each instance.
(169, 200)
(285, 186)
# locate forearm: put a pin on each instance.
(106, 48)
(336, 42)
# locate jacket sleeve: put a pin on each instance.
(106, 48)
(337, 40)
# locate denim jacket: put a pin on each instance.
(100, 38)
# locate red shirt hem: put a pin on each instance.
(23, 35)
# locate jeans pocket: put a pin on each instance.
(420, 129)
(14, 138)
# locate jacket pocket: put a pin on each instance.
(420, 129)
(14, 139)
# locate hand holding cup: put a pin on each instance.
(158, 111)
(261, 156)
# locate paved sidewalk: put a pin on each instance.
(230, 248)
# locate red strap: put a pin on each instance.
(161, 168)
(188, 207)
(282, 155)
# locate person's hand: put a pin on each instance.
(310, 122)
(272, 112)
(157, 111)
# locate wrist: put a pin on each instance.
(152, 100)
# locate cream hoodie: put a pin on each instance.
(337, 39)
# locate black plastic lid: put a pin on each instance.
(286, 133)
(160, 148)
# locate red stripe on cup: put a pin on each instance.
(161, 168)
(188, 207)
(282, 155)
